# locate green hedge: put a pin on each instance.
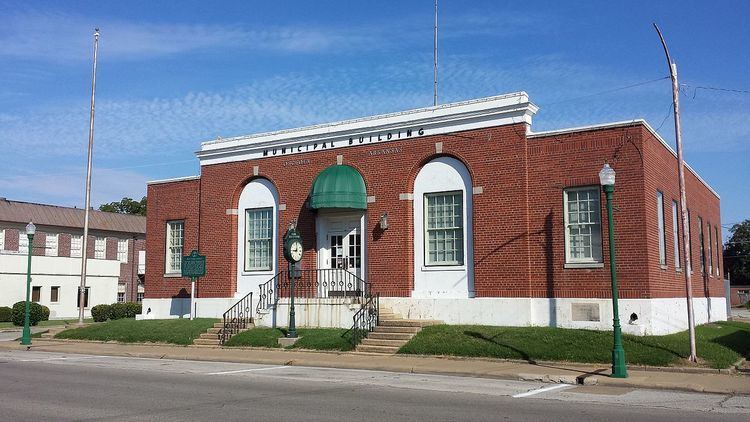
(5, 314)
(37, 313)
(119, 310)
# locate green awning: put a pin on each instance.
(339, 186)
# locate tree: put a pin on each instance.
(126, 206)
(737, 253)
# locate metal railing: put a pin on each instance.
(365, 320)
(237, 318)
(311, 284)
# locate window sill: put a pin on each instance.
(678, 269)
(444, 268)
(662, 266)
(584, 265)
(258, 272)
(173, 275)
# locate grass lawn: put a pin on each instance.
(719, 344)
(50, 323)
(175, 331)
(312, 338)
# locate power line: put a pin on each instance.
(609, 91)
(713, 88)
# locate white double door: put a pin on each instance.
(340, 251)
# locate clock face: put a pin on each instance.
(295, 251)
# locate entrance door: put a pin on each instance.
(342, 265)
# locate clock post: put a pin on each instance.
(293, 254)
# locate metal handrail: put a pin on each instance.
(365, 320)
(237, 318)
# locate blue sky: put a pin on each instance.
(173, 74)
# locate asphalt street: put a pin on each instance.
(55, 386)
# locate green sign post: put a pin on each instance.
(193, 266)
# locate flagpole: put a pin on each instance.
(84, 251)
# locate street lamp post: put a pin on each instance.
(619, 370)
(26, 337)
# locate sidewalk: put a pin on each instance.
(484, 368)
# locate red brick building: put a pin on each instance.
(459, 213)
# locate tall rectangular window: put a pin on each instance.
(76, 245)
(50, 244)
(2, 239)
(690, 242)
(702, 250)
(122, 250)
(258, 239)
(54, 294)
(583, 230)
(100, 248)
(676, 235)
(23, 243)
(710, 251)
(36, 293)
(660, 223)
(175, 238)
(444, 228)
(120, 297)
(719, 251)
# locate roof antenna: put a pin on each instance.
(435, 56)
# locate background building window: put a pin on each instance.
(702, 250)
(139, 297)
(122, 250)
(710, 251)
(175, 238)
(676, 235)
(444, 228)
(23, 243)
(2, 239)
(120, 297)
(583, 230)
(76, 245)
(36, 293)
(50, 244)
(100, 248)
(54, 294)
(660, 220)
(85, 298)
(718, 251)
(258, 239)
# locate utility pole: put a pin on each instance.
(82, 288)
(683, 201)
(435, 56)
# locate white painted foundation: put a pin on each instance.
(655, 316)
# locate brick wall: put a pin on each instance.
(517, 221)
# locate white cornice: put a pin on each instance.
(447, 118)
(622, 124)
(172, 180)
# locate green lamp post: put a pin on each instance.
(619, 370)
(26, 337)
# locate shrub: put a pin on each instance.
(119, 311)
(37, 313)
(5, 314)
(101, 313)
(133, 309)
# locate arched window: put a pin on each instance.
(257, 234)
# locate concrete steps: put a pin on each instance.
(212, 336)
(391, 333)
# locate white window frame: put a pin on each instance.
(597, 257)
(460, 228)
(719, 252)
(702, 250)
(76, 245)
(2, 240)
(676, 235)
(51, 242)
(23, 243)
(260, 243)
(119, 296)
(660, 226)
(100, 247)
(122, 250)
(173, 261)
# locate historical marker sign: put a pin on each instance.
(194, 265)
